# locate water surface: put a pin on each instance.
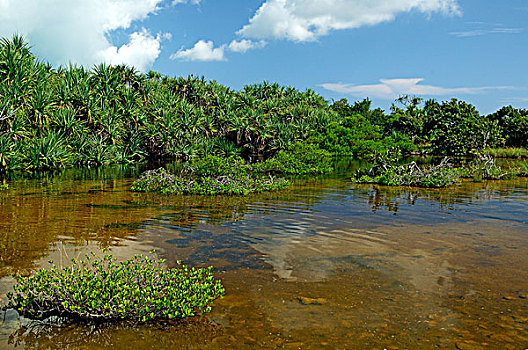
(325, 264)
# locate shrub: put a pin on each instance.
(357, 136)
(302, 158)
(219, 166)
(210, 176)
(485, 168)
(457, 128)
(99, 289)
(411, 174)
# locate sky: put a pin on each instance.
(474, 50)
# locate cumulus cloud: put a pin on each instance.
(65, 31)
(206, 51)
(306, 20)
(244, 45)
(392, 88)
(141, 51)
(201, 51)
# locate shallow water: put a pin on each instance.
(325, 264)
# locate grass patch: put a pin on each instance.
(506, 152)
(99, 289)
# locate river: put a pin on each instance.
(324, 264)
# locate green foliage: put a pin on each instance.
(4, 187)
(55, 118)
(514, 123)
(456, 128)
(410, 174)
(52, 118)
(100, 289)
(220, 166)
(444, 174)
(302, 158)
(357, 136)
(484, 168)
(211, 175)
(509, 152)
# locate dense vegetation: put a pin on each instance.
(211, 175)
(69, 116)
(482, 167)
(431, 176)
(217, 175)
(99, 289)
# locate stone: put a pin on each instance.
(311, 301)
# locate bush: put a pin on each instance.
(411, 174)
(219, 166)
(357, 136)
(99, 289)
(302, 158)
(485, 168)
(457, 128)
(514, 123)
(212, 175)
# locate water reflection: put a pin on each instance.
(18, 332)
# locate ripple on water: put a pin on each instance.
(326, 262)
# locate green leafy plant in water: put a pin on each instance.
(484, 168)
(211, 175)
(4, 187)
(100, 289)
(441, 175)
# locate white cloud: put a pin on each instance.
(306, 20)
(205, 50)
(392, 88)
(194, 2)
(479, 32)
(515, 99)
(141, 51)
(201, 51)
(244, 45)
(65, 31)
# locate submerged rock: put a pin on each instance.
(311, 301)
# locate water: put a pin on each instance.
(325, 264)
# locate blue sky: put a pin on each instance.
(472, 50)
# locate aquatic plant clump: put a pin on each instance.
(484, 168)
(441, 175)
(160, 180)
(4, 187)
(99, 289)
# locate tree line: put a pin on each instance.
(71, 116)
